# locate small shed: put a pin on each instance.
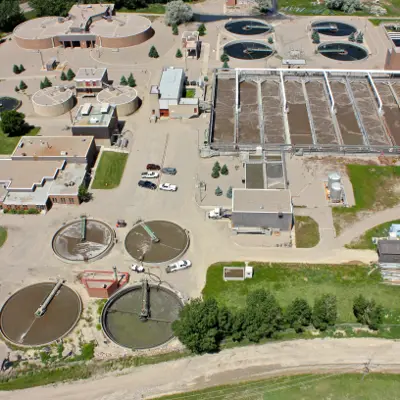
(237, 273)
(394, 231)
(389, 253)
(51, 64)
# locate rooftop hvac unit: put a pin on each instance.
(336, 192)
(86, 108)
(332, 178)
(64, 153)
(104, 108)
(94, 120)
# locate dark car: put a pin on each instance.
(153, 167)
(169, 171)
(147, 185)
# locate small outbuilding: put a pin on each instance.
(262, 209)
(389, 253)
(90, 80)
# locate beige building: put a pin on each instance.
(166, 98)
(191, 44)
(90, 80)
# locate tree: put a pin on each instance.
(270, 40)
(198, 326)
(225, 321)
(177, 12)
(175, 30)
(123, 81)
(218, 191)
(225, 65)
(324, 312)
(10, 15)
(298, 314)
(83, 194)
(360, 37)
(70, 74)
(263, 315)
(224, 170)
(47, 82)
(224, 57)
(58, 8)
(153, 53)
(23, 85)
(352, 37)
(41, 85)
(12, 123)
(16, 69)
(16, 88)
(229, 192)
(201, 29)
(315, 37)
(21, 68)
(264, 5)
(178, 54)
(238, 325)
(215, 174)
(216, 166)
(63, 77)
(367, 312)
(131, 80)
(347, 6)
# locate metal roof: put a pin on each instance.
(262, 201)
(391, 247)
(170, 83)
(86, 74)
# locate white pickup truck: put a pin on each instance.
(150, 175)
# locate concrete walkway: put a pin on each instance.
(228, 367)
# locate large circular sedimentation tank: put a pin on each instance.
(142, 246)
(53, 101)
(248, 49)
(124, 97)
(20, 325)
(343, 51)
(248, 27)
(333, 28)
(122, 322)
(9, 103)
(69, 245)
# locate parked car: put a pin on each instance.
(121, 223)
(150, 175)
(168, 187)
(179, 265)
(153, 167)
(169, 171)
(147, 185)
(137, 268)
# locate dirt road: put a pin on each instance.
(229, 366)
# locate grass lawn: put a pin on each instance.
(7, 144)
(288, 281)
(110, 170)
(375, 188)
(189, 93)
(150, 9)
(30, 14)
(3, 235)
(365, 241)
(304, 387)
(307, 233)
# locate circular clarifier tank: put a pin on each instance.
(248, 27)
(343, 51)
(333, 28)
(8, 104)
(156, 242)
(248, 49)
(83, 240)
(141, 316)
(21, 326)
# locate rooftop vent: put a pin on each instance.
(64, 153)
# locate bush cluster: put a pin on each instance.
(28, 211)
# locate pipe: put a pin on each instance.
(43, 307)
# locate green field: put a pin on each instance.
(364, 242)
(374, 189)
(3, 235)
(7, 144)
(150, 9)
(110, 170)
(288, 281)
(304, 387)
(307, 233)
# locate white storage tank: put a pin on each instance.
(332, 178)
(125, 98)
(53, 101)
(336, 192)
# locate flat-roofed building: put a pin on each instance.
(73, 149)
(262, 209)
(166, 98)
(90, 80)
(98, 120)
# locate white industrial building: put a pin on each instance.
(166, 98)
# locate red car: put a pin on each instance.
(153, 167)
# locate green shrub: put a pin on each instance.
(224, 57)
(225, 65)
(270, 40)
(201, 29)
(218, 191)
(123, 81)
(16, 69)
(131, 80)
(23, 85)
(324, 312)
(178, 54)
(70, 75)
(229, 192)
(153, 53)
(224, 170)
(214, 174)
(175, 30)
(63, 77)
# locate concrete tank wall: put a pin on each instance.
(127, 41)
(54, 110)
(36, 44)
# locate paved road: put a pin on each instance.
(229, 366)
